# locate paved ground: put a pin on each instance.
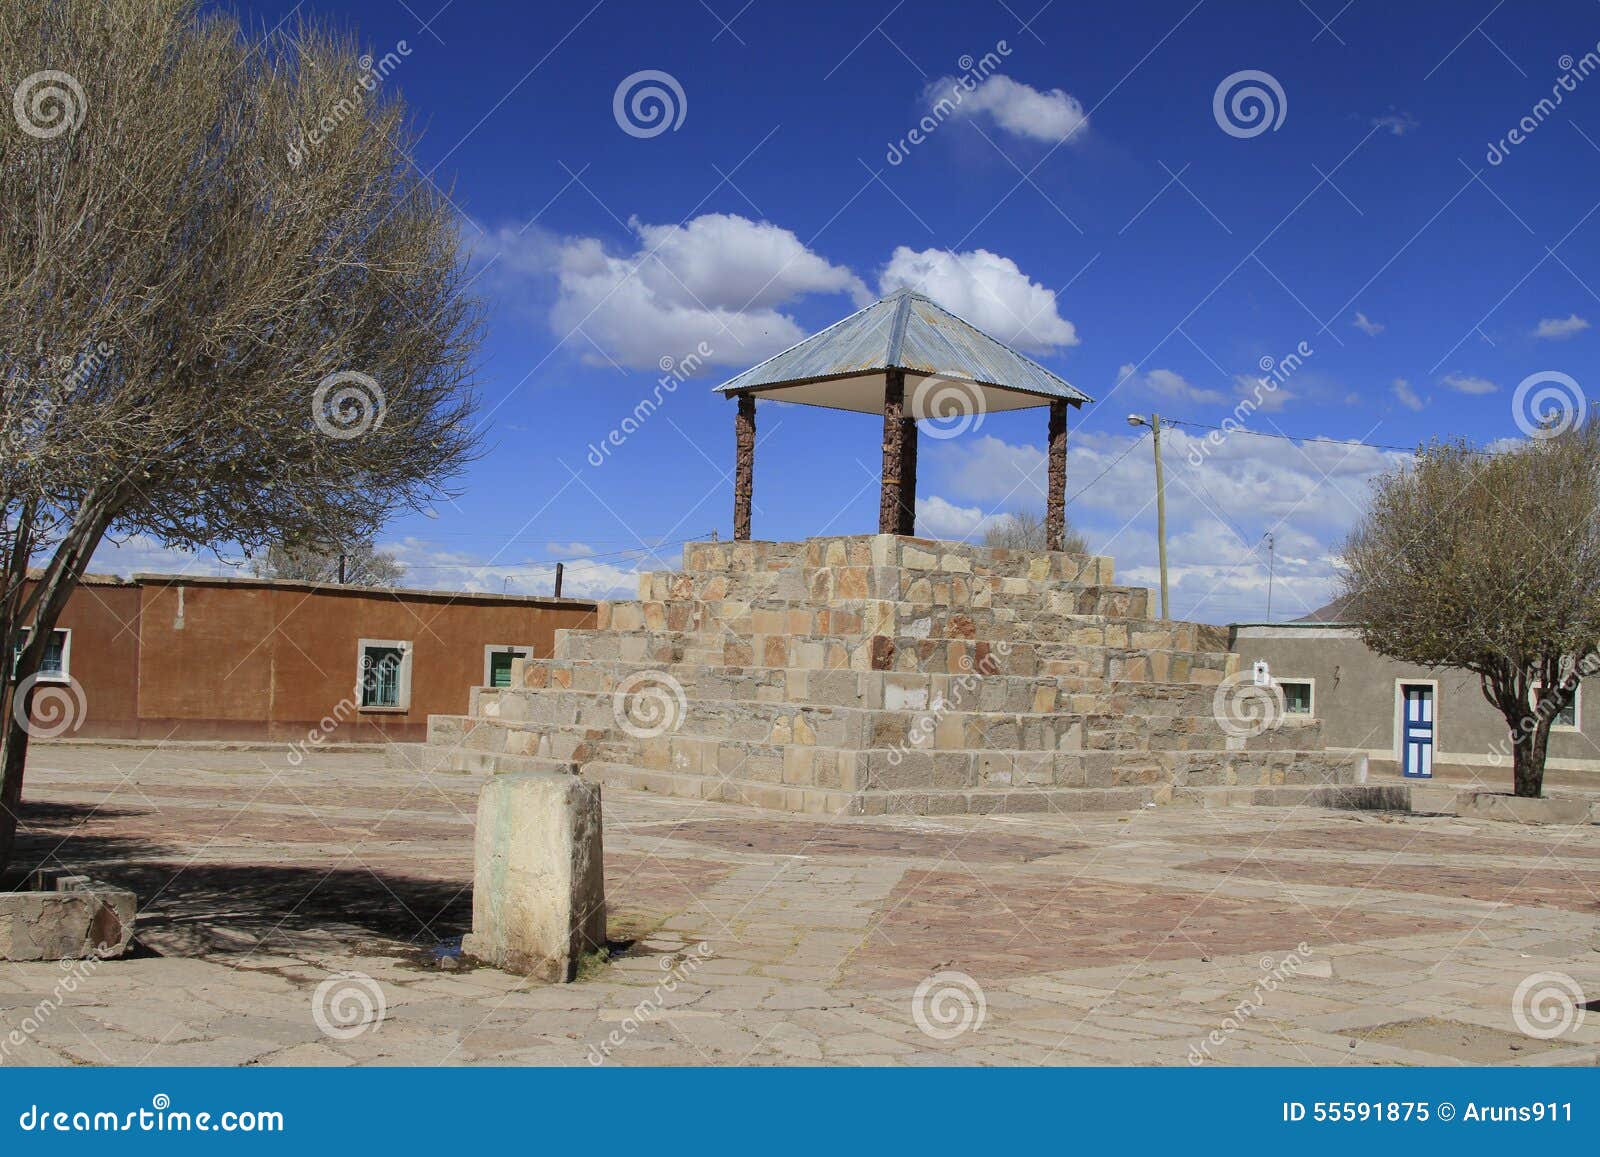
(280, 903)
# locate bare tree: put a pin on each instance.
(231, 309)
(360, 564)
(1489, 562)
(1024, 529)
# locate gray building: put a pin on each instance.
(1404, 718)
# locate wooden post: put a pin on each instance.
(558, 580)
(744, 464)
(1055, 517)
(894, 396)
(908, 476)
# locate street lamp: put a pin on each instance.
(1154, 422)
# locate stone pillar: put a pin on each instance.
(1055, 514)
(908, 476)
(538, 880)
(894, 397)
(744, 465)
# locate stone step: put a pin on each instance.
(947, 801)
(432, 758)
(859, 619)
(941, 654)
(777, 758)
(891, 552)
(649, 697)
(916, 691)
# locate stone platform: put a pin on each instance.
(884, 674)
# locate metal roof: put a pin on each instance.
(842, 366)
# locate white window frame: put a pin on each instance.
(403, 692)
(516, 650)
(1577, 708)
(66, 655)
(1311, 683)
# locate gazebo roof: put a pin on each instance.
(843, 367)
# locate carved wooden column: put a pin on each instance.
(894, 397)
(744, 465)
(1055, 515)
(908, 476)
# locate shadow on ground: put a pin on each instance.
(188, 905)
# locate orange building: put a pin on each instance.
(192, 658)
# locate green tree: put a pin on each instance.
(231, 308)
(1489, 562)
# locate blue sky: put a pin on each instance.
(1084, 202)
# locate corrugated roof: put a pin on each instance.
(907, 331)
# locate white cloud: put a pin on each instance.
(1167, 384)
(1017, 108)
(1398, 123)
(1256, 389)
(1467, 384)
(140, 554)
(1557, 328)
(942, 519)
(986, 289)
(433, 568)
(570, 549)
(718, 279)
(1366, 325)
(1220, 500)
(1407, 396)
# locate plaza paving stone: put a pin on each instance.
(1094, 938)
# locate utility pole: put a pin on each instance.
(1154, 422)
(342, 557)
(558, 580)
(1270, 545)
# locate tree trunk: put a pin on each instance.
(40, 611)
(13, 757)
(1527, 760)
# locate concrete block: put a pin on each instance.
(538, 896)
(1484, 805)
(49, 915)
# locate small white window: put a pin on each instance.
(56, 666)
(1569, 718)
(1297, 696)
(383, 677)
(497, 659)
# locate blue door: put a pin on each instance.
(1416, 730)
